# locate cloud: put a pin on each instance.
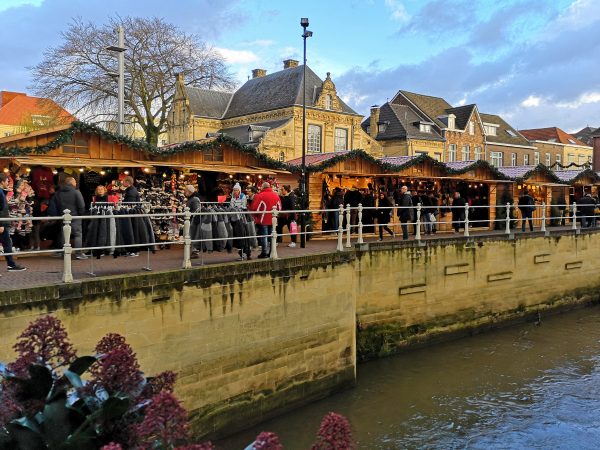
(435, 18)
(398, 10)
(237, 56)
(8, 4)
(584, 99)
(531, 102)
(259, 43)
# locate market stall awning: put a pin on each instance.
(220, 168)
(65, 161)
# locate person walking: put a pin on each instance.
(288, 203)
(383, 214)
(458, 212)
(12, 266)
(68, 197)
(262, 205)
(586, 207)
(193, 203)
(405, 210)
(526, 206)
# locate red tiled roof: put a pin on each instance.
(552, 134)
(17, 109)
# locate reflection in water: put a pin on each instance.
(523, 387)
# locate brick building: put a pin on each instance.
(555, 147)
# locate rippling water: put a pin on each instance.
(524, 387)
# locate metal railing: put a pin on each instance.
(350, 221)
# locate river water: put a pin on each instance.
(526, 387)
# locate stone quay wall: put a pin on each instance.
(251, 340)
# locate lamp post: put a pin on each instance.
(120, 49)
(303, 190)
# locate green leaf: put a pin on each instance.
(26, 434)
(80, 365)
(57, 422)
(115, 407)
(73, 378)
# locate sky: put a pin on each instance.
(534, 62)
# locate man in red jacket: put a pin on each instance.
(263, 204)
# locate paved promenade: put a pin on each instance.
(44, 269)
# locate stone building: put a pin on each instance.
(504, 145)
(555, 147)
(266, 112)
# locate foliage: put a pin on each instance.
(77, 72)
(334, 433)
(267, 441)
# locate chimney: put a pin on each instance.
(596, 152)
(7, 96)
(290, 63)
(257, 73)
(374, 120)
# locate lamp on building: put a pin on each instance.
(303, 190)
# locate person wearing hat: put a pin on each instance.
(193, 203)
(238, 199)
(263, 204)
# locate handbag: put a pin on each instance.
(293, 227)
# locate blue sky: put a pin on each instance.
(535, 62)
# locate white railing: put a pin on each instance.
(350, 220)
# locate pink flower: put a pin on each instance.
(118, 371)
(203, 446)
(267, 441)
(334, 433)
(164, 381)
(112, 446)
(110, 342)
(165, 423)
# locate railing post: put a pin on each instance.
(574, 226)
(340, 234)
(67, 249)
(187, 240)
(543, 227)
(467, 220)
(360, 224)
(508, 218)
(418, 223)
(274, 235)
(348, 226)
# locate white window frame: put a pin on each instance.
(425, 128)
(536, 158)
(571, 158)
(559, 161)
(496, 159)
(478, 153)
(526, 159)
(451, 153)
(513, 159)
(338, 145)
(471, 127)
(465, 151)
(314, 141)
(328, 102)
(548, 159)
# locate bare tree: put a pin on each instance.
(77, 73)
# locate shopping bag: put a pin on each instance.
(293, 227)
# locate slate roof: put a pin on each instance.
(567, 175)
(208, 103)
(515, 171)
(458, 165)
(396, 160)
(20, 107)
(242, 135)
(463, 114)
(502, 135)
(586, 134)
(551, 134)
(403, 123)
(275, 91)
(433, 107)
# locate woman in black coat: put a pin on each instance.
(384, 212)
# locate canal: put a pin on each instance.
(530, 386)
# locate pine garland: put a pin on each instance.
(266, 161)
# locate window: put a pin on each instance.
(452, 152)
(548, 159)
(40, 121)
(425, 128)
(511, 133)
(328, 102)
(490, 130)
(536, 158)
(421, 152)
(570, 140)
(281, 156)
(513, 159)
(478, 153)
(558, 161)
(465, 153)
(382, 127)
(496, 159)
(213, 154)
(314, 138)
(526, 159)
(571, 158)
(78, 145)
(471, 127)
(341, 139)
(437, 156)
(581, 159)
(7, 133)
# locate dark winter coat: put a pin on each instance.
(131, 195)
(353, 197)
(67, 197)
(384, 211)
(405, 213)
(458, 214)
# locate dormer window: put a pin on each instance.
(368, 129)
(511, 133)
(425, 128)
(328, 102)
(490, 129)
(250, 135)
(471, 128)
(382, 126)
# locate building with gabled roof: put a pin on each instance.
(266, 113)
(504, 143)
(558, 148)
(20, 113)
(586, 135)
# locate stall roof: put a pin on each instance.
(315, 158)
(217, 168)
(567, 175)
(65, 161)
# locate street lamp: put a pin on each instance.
(303, 190)
(120, 49)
